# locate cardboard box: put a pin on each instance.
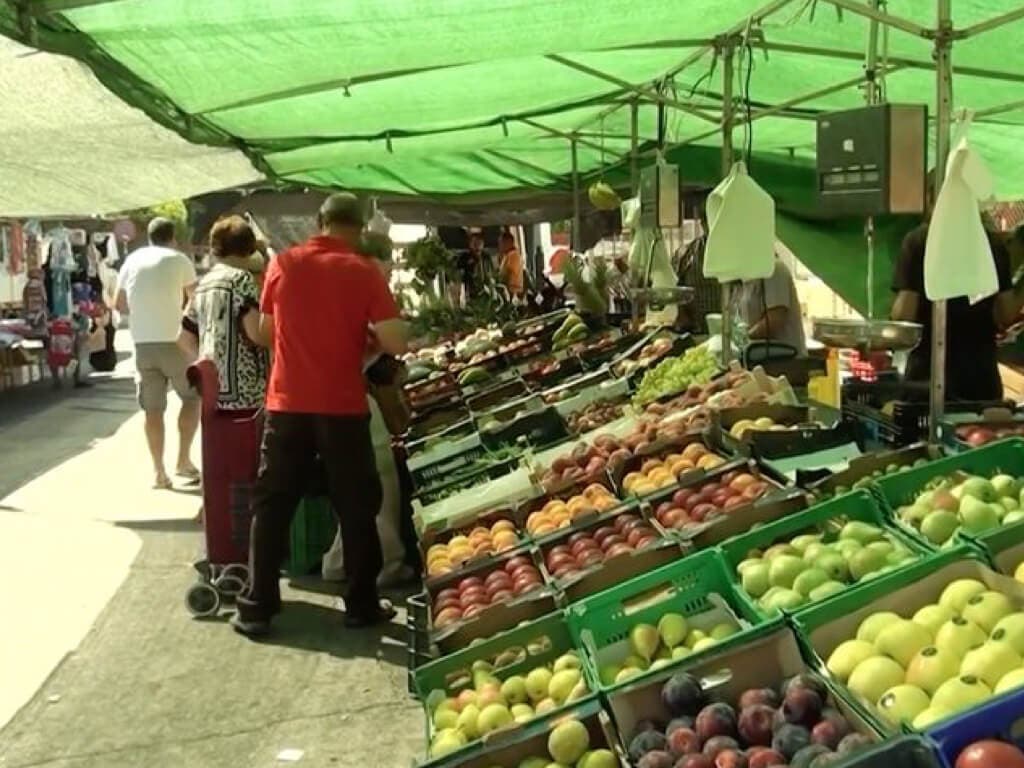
(764, 659)
(511, 746)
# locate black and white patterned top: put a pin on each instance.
(222, 298)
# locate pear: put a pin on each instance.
(874, 676)
(932, 617)
(845, 658)
(902, 703)
(866, 562)
(447, 741)
(990, 663)
(901, 640)
(987, 609)
(522, 713)
(562, 684)
(672, 629)
(960, 693)
(1009, 681)
(915, 515)
(977, 516)
(1005, 486)
(809, 580)
(978, 488)
(643, 641)
(939, 526)
(755, 579)
(875, 623)
(860, 531)
(569, 660)
(1010, 629)
(931, 667)
(802, 542)
(834, 564)
(827, 589)
(467, 723)
(958, 636)
(513, 690)
(957, 593)
(784, 570)
(929, 717)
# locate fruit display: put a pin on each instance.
(967, 503)
(587, 549)
(693, 505)
(647, 355)
(595, 415)
(655, 474)
(517, 576)
(838, 488)
(558, 513)
(976, 435)
(465, 546)
(741, 429)
(572, 331)
(789, 726)
(819, 562)
(715, 390)
(695, 366)
(473, 375)
(990, 753)
(654, 646)
(568, 744)
(949, 656)
(586, 462)
(489, 703)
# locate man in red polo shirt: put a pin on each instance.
(321, 304)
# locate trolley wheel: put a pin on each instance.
(229, 586)
(202, 600)
(238, 570)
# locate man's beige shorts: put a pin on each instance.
(158, 365)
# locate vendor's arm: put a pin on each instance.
(779, 297)
(1010, 298)
(770, 322)
(908, 278)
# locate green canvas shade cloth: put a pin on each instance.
(448, 99)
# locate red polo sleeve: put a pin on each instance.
(270, 282)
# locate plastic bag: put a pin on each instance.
(741, 229)
(958, 256)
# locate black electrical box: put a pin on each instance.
(872, 160)
(660, 204)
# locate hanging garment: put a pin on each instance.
(958, 256)
(741, 229)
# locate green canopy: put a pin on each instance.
(454, 97)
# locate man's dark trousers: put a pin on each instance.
(291, 443)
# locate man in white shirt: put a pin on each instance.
(155, 283)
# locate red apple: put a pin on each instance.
(496, 577)
(990, 754)
(640, 532)
(611, 541)
(631, 523)
(474, 595)
(472, 610)
(690, 504)
(526, 583)
(720, 496)
(590, 557)
(578, 536)
(701, 511)
(755, 490)
(604, 532)
(680, 497)
(515, 562)
(662, 508)
(448, 592)
(617, 549)
(675, 518)
(584, 544)
(446, 602)
(735, 501)
(556, 559)
(501, 596)
(646, 541)
(469, 582)
(530, 570)
(446, 617)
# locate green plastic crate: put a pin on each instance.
(824, 626)
(525, 648)
(828, 516)
(313, 530)
(902, 488)
(1004, 547)
(697, 586)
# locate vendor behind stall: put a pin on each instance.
(972, 373)
(771, 309)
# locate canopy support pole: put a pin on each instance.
(871, 12)
(944, 107)
(634, 141)
(575, 241)
(728, 103)
(993, 23)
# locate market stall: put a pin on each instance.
(637, 552)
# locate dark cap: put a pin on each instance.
(343, 210)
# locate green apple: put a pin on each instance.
(1010, 504)
(748, 563)
(827, 589)
(522, 713)
(860, 531)
(901, 640)
(779, 549)
(809, 580)
(874, 676)
(721, 631)
(977, 516)
(784, 569)
(1005, 486)
(978, 488)
(990, 663)
(513, 690)
(755, 579)
(834, 564)
(537, 682)
(785, 599)
(915, 515)
(865, 561)
(626, 673)
(608, 673)
(931, 667)
(957, 593)
(570, 660)
(929, 717)
(939, 526)
(802, 542)
(901, 704)
(695, 636)
(987, 609)
(961, 693)
(447, 741)
(637, 662)
(1010, 629)
(933, 617)
(533, 762)
(845, 658)
(958, 636)
(468, 721)
(1013, 517)
(875, 623)
(1012, 679)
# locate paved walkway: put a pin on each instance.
(100, 664)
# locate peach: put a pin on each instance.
(643, 488)
(605, 503)
(742, 480)
(631, 479)
(650, 465)
(460, 555)
(458, 541)
(504, 540)
(694, 451)
(553, 506)
(594, 490)
(503, 525)
(709, 461)
(682, 465)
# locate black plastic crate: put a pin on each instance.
(497, 395)
(906, 421)
(452, 485)
(538, 429)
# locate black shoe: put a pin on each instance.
(251, 629)
(383, 613)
